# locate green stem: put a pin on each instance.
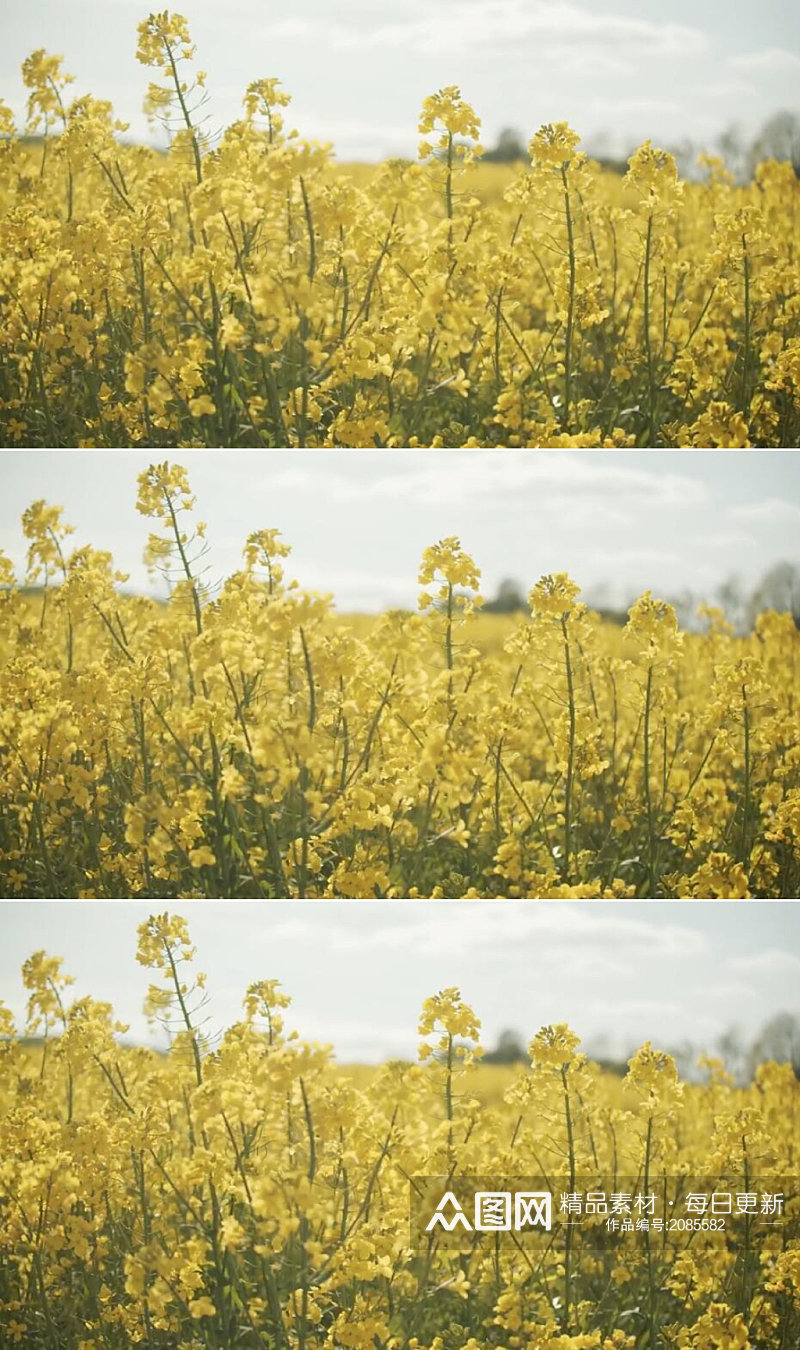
(198, 1071)
(568, 787)
(570, 304)
(185, 563)
(651, 871)
(747, 321)
(747, 773)
(651, 388)
(651, 1289)
(568, 1228)
(185, 111)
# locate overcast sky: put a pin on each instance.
(359, 69)
(359, 971)
(358, 521)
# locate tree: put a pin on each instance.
(731, 599)
(778, 589)
(685, 154)
(733, 149)
(778, 1040)
(510, 146)
(779, 138)
(510, 598)
(685, 606)
(509, 1049)
(732, 1050)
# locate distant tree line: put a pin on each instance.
(778, 1040)
(779, 138)
(778, 589)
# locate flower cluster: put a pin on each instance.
(247, 289)
(250, 1191)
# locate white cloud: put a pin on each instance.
(721, 994)
(560, 932)
(352, 136)
(727, 89)
(290, 930)
(466, 26)
(635, 559)
(356, 1039)
(636, 1008)
(770, 962)
(772, 511)
(355, 587)
(770, 61)
(571, 59)
(728, 540)
(478, 475)
(644, 106)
